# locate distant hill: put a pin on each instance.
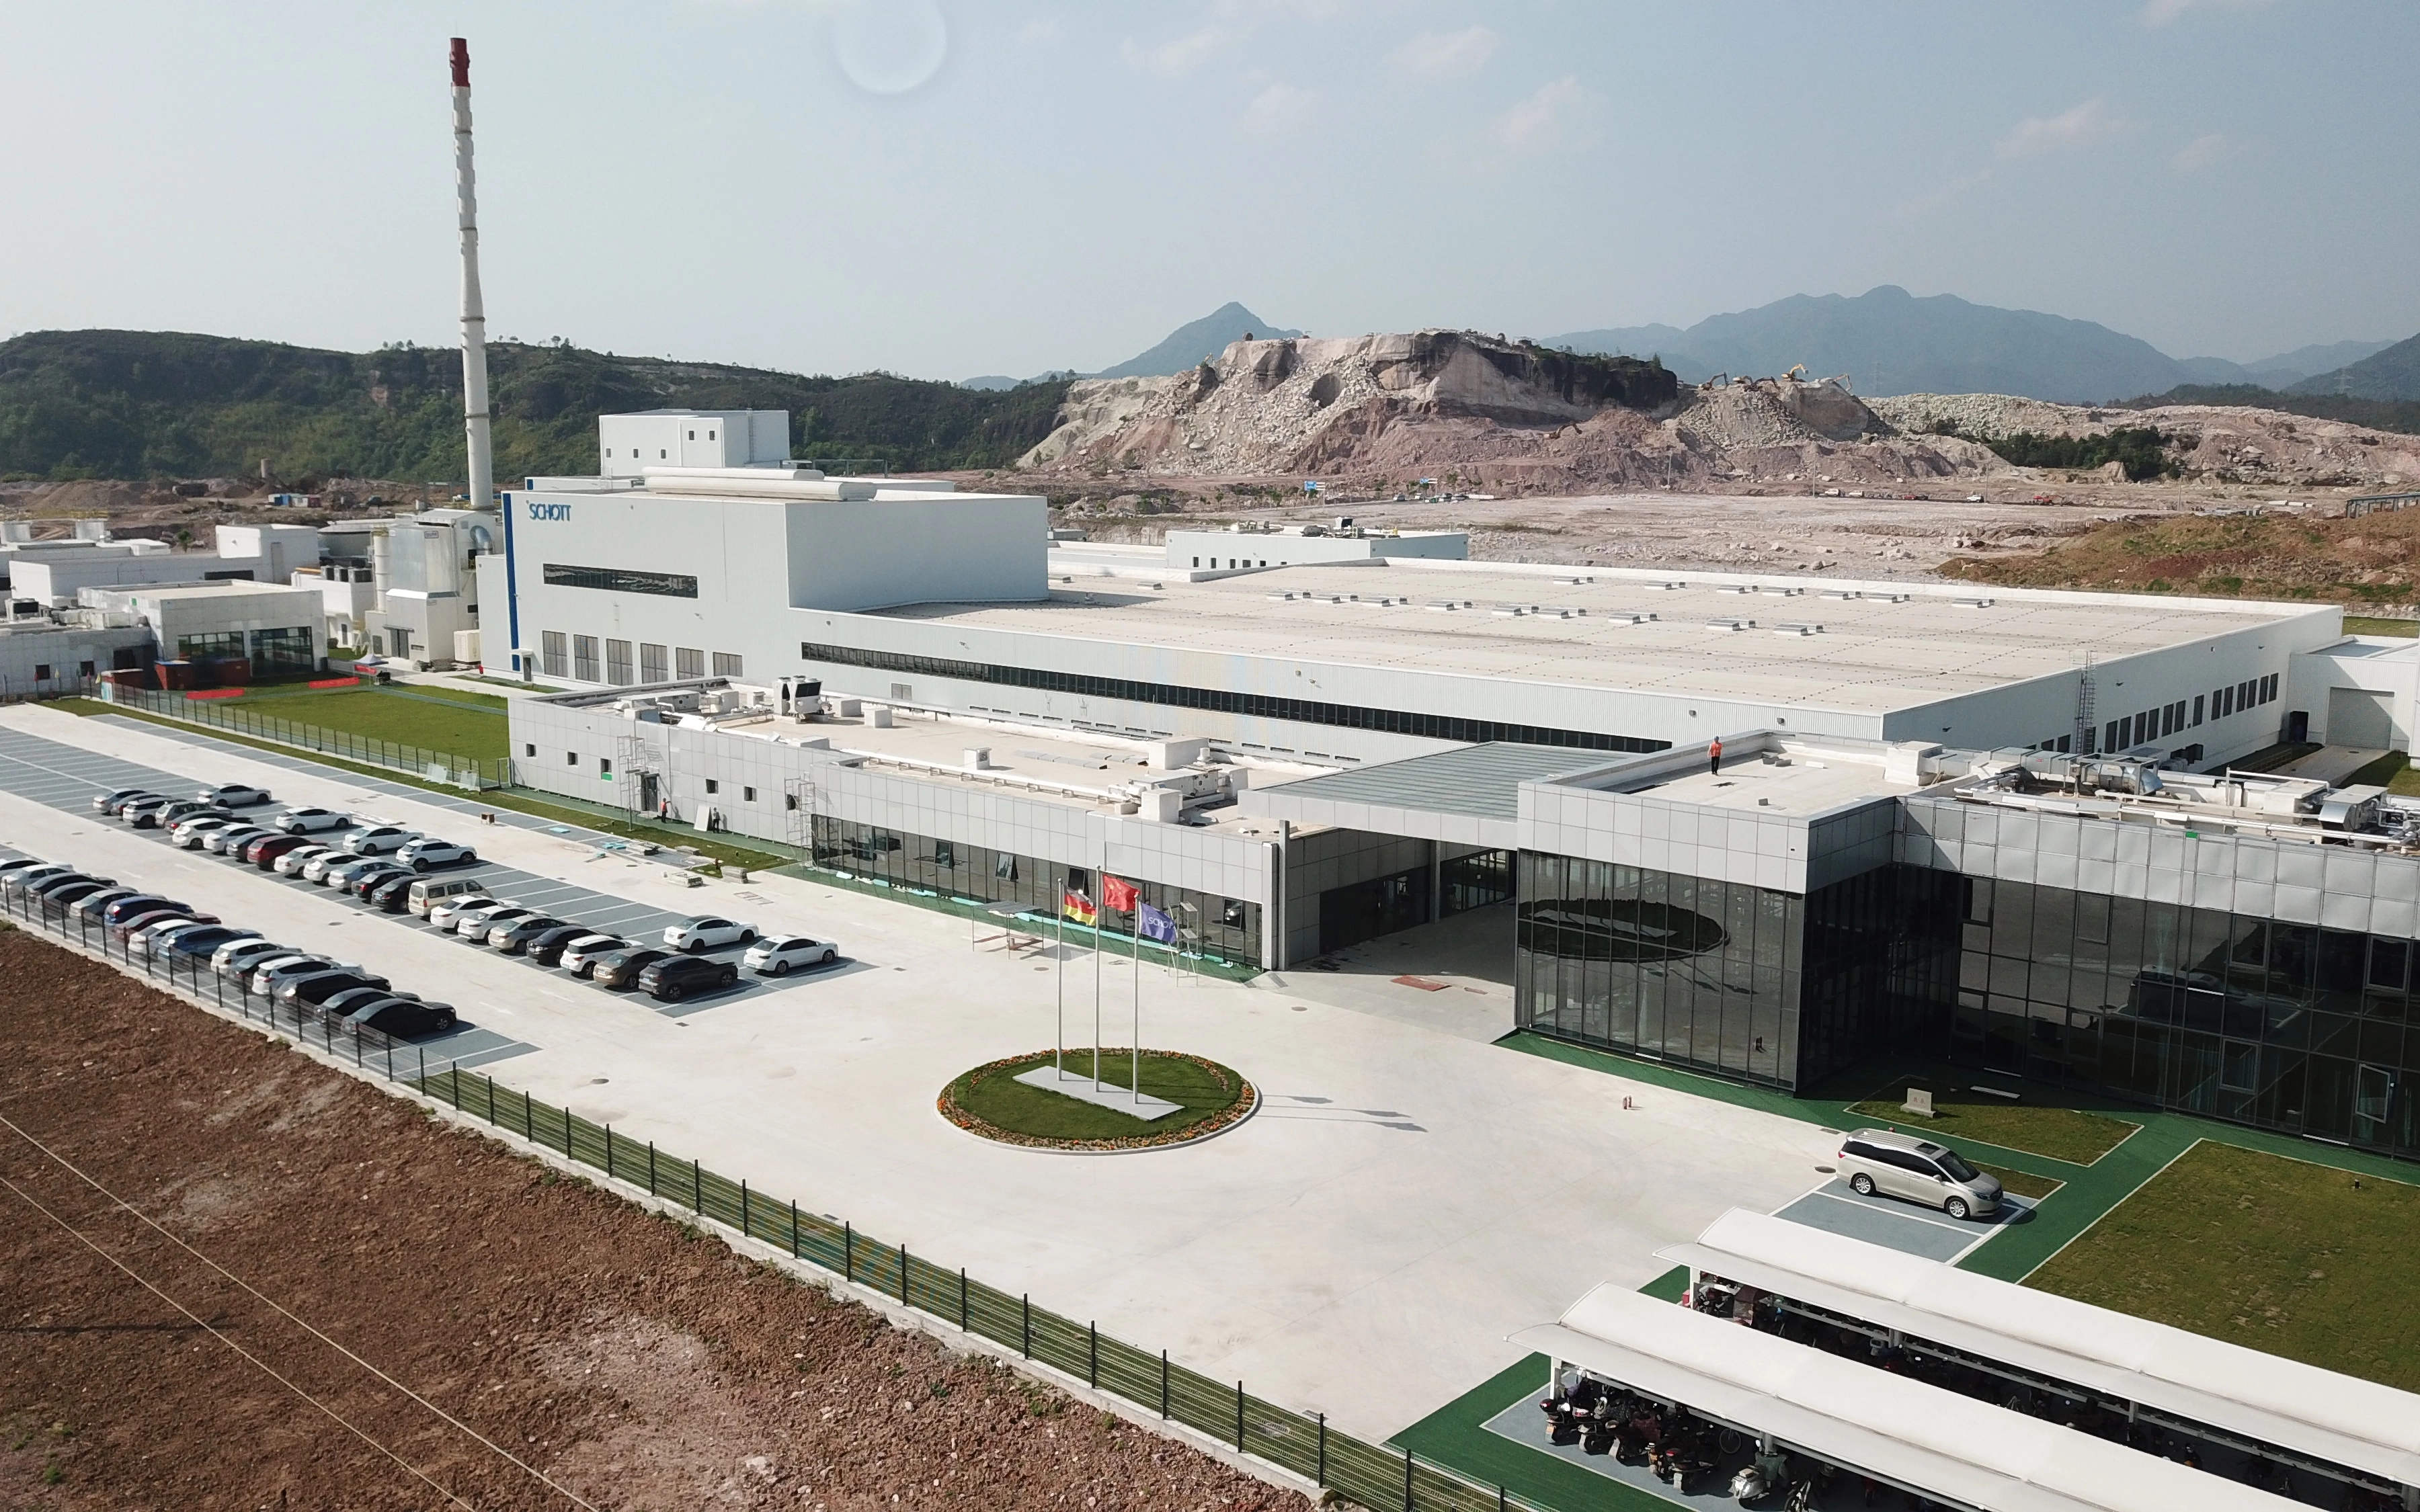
(2378, 415)
(139, 404)
(1890, 342)
(1190, 346)
(2392, 376)
(2287, 369)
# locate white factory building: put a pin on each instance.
(1970, 819)
(278, 596)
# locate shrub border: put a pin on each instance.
(1246, 1102)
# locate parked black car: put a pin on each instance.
(404, 1018)
(376, 876)
(316, 987)
(621, 969)
(547, 948)
(393, 893)
(675, 977)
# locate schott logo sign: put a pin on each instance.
(538, 511)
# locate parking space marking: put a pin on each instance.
(1896, 1225)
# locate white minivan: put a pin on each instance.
(1902, 1166)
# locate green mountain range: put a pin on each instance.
(138, 403)
(1888, 340)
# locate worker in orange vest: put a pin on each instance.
(1715, 756)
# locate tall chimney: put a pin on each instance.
(474, 316)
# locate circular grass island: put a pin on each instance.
(990, 1102)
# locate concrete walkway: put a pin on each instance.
(2330, 764)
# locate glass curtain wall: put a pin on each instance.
(1685, 969)
(2290, 1027)
(1223, 929)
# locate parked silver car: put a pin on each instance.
(1903, 1166)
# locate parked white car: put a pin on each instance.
(581, 956)
(446, 913)
(780, 956)
(428, 851)
(347, 869)
(707, 933)
(230, 840)
(234, 795)
(236, 958)
(293, 861)
(188, 835)
(317, 869)
(376, 840)
(473, 924)
(311, 821)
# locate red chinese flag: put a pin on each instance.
(1119, 895)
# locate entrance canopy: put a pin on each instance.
(2328, 1416)
(1470, 797)
(1948, 1446)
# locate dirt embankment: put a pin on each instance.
(560, 1342)
(2368, 559)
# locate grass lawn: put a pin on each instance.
(2303, 1261)
(445, 719)
(2022, 1183)
(2364, 624)
(2040, 1129)
(996, 1096)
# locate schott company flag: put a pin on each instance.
(1153, 925)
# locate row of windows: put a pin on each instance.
(1232, 564)
(1219, 701)
(575, 656)
(621, 580)
(2130, 731)
(2153, 724)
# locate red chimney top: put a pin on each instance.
(461, 59)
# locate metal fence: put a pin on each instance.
(399, 1060)
(1361, 1472)
(1301, 1442)
(415, 760)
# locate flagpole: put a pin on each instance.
(1100, 900)
(1137, 999)
(1059, 1055)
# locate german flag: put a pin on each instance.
(1077, 906)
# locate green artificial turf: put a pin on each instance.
(2022, 1183)
(2366, 625)
(2309, 1261)
(996, 1096)
(2061, 1133)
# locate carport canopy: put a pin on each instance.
(1949, 1447)
(2321, 1414)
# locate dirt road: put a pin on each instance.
(232, 1277)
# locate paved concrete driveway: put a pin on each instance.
(1405, 1200)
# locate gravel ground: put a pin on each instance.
(299, 1291)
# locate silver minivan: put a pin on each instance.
(428, 892)
(1903, 1166)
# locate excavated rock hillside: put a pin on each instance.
(1383, 410)
(1523, 419)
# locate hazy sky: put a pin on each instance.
(951, 187)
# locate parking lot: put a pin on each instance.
(68, 778)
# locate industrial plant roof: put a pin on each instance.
(1801, 639)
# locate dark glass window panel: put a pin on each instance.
(620, 580)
